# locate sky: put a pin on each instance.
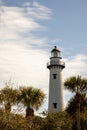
(29, 30)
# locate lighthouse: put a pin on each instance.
(55, 67)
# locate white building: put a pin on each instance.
(55, 67)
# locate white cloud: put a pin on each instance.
(14, 21)
(76, 65)
(37, 10)
(18, 59)
(25, 66)
(19, 25)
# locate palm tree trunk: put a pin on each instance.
(78, 117)
(8, 107)
(78, 100)
(29, 117)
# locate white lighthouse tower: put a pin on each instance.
(55, 81)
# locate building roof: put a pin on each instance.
(55, 49)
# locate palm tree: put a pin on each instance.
(8, 97)
(71, 107)
(31, 98)
(78, 86)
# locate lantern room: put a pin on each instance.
(55, 52)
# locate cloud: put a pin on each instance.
(25, 66)
(37, 10)
(20, 25)
(76, 65)
(14, 22)
(19, 60)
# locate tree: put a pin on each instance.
(78, 86)
(57, 121)
(8, 97)
(84, 119)
(71, 107)
(11, 121)
(31, 98)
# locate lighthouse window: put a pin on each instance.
(55, 105)
(54, 76)
(55, 54)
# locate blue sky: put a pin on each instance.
(29, 29)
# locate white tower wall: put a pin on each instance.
(55, 83)
(55, 90)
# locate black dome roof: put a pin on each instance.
(55, 49)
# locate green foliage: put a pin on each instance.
(57, 121)
(37, 123)
(77, 104)
(8, 97)
(72, 105)
(84, 119)
(76, 84)
(30, 96)
(9, 121)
